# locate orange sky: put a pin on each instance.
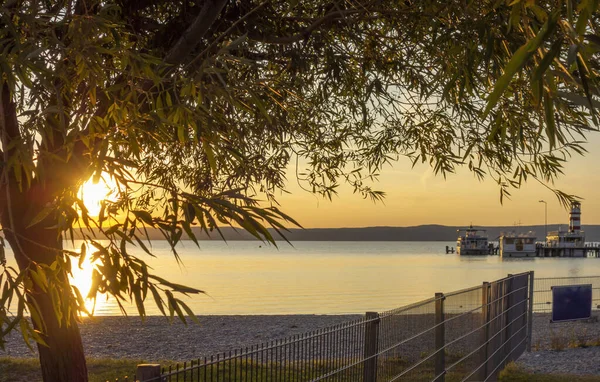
(416, 196)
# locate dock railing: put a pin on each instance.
(467, 335)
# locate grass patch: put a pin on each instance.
(19, 369)
(99, 369)
(103, 370)
(514, 373)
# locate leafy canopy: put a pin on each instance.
(196, 109)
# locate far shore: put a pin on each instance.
(428, 232)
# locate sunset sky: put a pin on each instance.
(416, 196)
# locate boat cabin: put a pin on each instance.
(517, 245)
(472, 242)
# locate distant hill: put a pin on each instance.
(417, 233)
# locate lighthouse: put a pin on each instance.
(575, 218)
(570, 243)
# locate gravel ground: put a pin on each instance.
(581, 361)
(556, 347)
(156, 339)
(553, 336)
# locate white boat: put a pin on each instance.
(472, 242)
(566, 244)
(517, 245)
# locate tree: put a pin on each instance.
(195, 110)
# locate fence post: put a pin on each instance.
(485, 335)
(440, 339)
(371, 347)
(147, 372)
(509, 314)
(530, 313)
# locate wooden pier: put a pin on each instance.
(592, 250)
(550, 251)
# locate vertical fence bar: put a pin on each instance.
(440, 338)
(370, 350)
(485, 334)
(296, 357)
(336, 347)
(530, 313)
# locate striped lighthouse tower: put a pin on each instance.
(575, 217)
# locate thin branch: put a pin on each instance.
(195, 32)
(222, 35)
(333, 16)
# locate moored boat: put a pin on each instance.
(472, 242)
(517, 245)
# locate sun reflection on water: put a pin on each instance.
(82, 279)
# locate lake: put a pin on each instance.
(247, 277)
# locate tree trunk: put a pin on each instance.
(63, 360)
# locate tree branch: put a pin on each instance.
(195, 32)
(8, 117)
(332, 16)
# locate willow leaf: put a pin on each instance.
(518, 60)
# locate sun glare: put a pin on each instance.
(93, 194)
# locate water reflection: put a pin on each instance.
(509, 259)
(323, 277)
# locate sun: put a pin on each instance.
(93, 194)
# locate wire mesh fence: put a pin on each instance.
(303, 357)
(542, 288)
(407, 337)
(464, 335)
(464, 330)
(561, 335)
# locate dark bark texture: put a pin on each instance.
(63, 359)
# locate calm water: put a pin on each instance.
(244, 277)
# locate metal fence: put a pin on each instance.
(561, 335)
(464, 335)
(542, 287)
